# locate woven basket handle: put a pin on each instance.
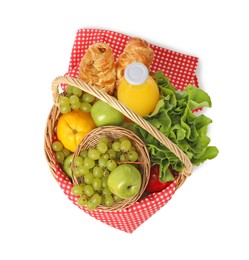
(129, 114)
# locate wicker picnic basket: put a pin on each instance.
(127, 215)
(54, 115)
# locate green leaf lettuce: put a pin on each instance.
(174, 117)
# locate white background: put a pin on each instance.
(208, 216)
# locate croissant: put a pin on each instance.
(97, 67)
(137, 50)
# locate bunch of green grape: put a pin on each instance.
(93, 167)
(75, 99)
(60, 151)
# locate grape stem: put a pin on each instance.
(130, 162)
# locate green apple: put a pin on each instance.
(67, 165)
(124, 181)
(104, 114)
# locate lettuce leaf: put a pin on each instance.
(174, 117)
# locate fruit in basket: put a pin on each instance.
(124, 181)
(57, 146)
(154, 184)
(93, 167)
(59, 157)
(104, 114)
(137, 90)
(72, 127)
(74, 99)
(59, 151)
(67, 165)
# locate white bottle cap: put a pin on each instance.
(136, 73)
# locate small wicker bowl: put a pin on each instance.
(113, 133)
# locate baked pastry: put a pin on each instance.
(97, 67)
(136, 50)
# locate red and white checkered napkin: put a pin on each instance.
(128, 219)
(180, 68)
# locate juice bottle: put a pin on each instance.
(137, 90)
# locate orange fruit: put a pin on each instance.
(72, 127)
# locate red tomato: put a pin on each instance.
(154, 184)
